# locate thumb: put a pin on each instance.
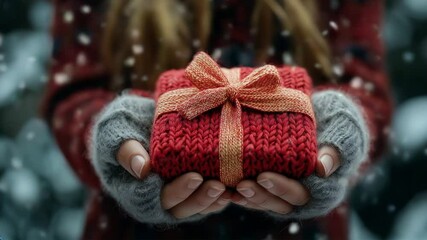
(328, 161)
(134, 158)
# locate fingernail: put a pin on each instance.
(266, 183)
(214, 192)
(194, 183)
(137, 164)
(242, 202)
(223, 201)
(327, 163)
(247, 192)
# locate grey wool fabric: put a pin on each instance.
(339, 124)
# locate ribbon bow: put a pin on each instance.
(215, 87)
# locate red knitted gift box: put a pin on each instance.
(280, 142)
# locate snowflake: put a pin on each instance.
(196, 43)
(137, 49)
(1, 55)
(408, 56)
(216, 54)
(294, 228)
(144, 78)
(31, 59)
(61, 78)
(287, 58)
(285, 33)
(325, 32)
(86, 9)
(30, 136)
(68, 17)
(130, 61)
(1, 39)
(22, 86)
(81, 59)
(16, 162)
(84, 39)
(338, 70)
(370, 87)
(356, 82)
(333, 25)
(135, 33)
(318, 66)
(391, 208)
(271, 51)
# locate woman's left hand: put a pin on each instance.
(277, 193)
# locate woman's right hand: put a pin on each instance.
(185, 196)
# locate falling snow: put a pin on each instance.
(84, 39)
(85, 9)
(391, 208)
(294, 228)
(135, 34)
(333, 25)
(356, 82)
(196, 43)
(338, 70)
(130, 61)
(287, 58)
(81, 59)
(137, 49)
(30, 136)
(408, 56)
(216, 54)
(61, 78)
(16, 162)
(68, 17)
(1, 39)
(370, 87)
(285, 33)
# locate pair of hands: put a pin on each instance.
(188, 194)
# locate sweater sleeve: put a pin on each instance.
(356, 43)
(77, 89)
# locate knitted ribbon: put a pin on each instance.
(214, 87)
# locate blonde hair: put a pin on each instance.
(142, 38)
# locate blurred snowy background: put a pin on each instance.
(40, 197)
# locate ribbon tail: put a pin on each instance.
(231, 144)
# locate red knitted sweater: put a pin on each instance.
(71, 105)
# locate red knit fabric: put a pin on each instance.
(279, 142)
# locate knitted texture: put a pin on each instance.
(128, 117)
(340, 124)
(280, 142)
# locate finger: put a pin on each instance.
(206, 195)
(240, 200)
(180, 189)
(134, 158)
(328, 161)
(290, 190)
(256, 194)
(219, 204)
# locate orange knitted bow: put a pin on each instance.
(214, 87)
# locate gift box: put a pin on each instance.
(233, 124)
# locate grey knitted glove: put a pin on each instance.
(339, 124)
(128, 117)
